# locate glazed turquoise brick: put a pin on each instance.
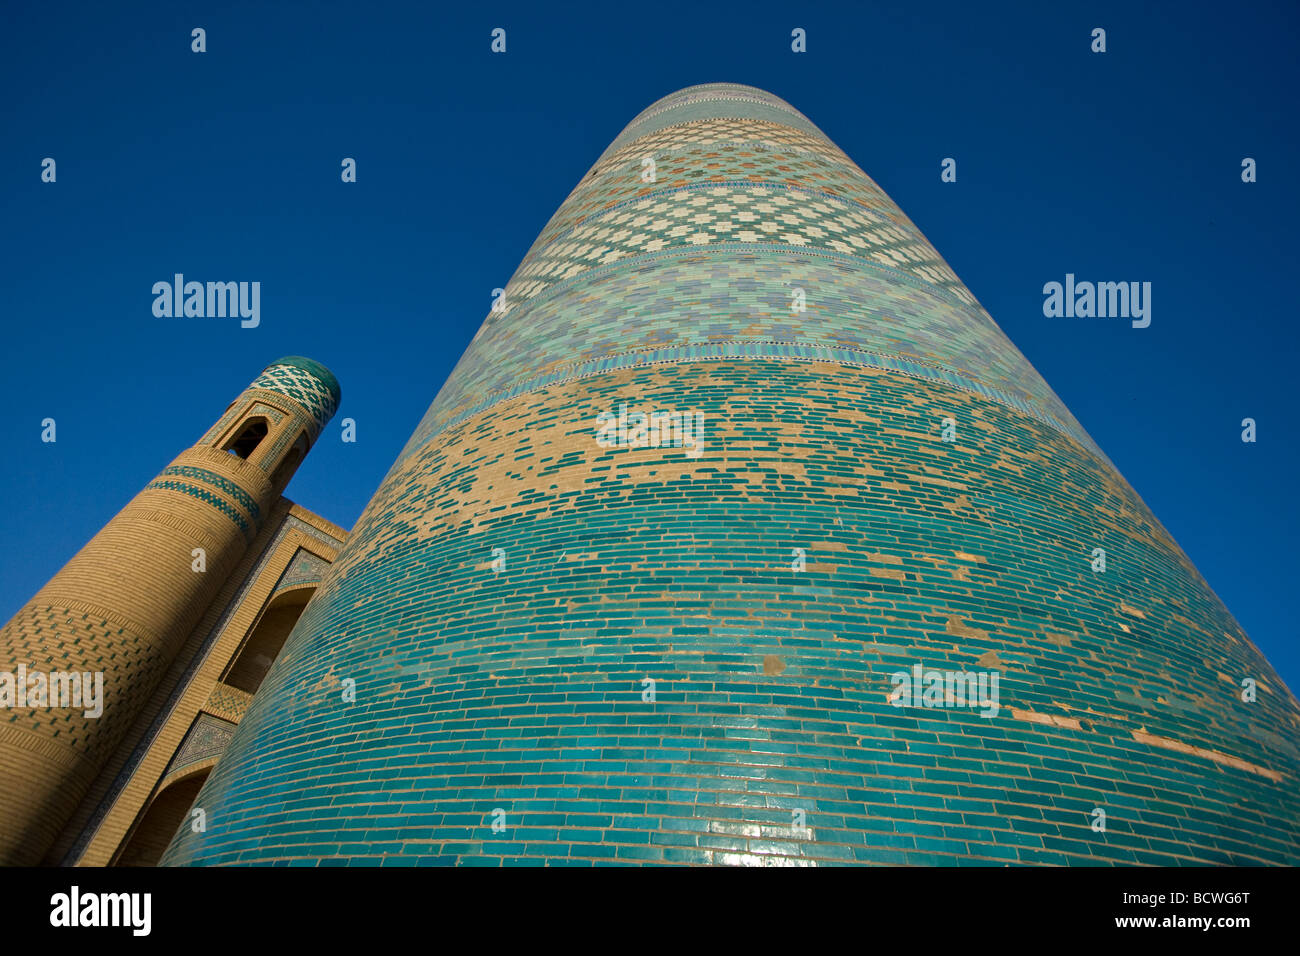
(931, 829)
(996, 850)
(522, 690)
(939, 845)
(647, 853)
(880, 855)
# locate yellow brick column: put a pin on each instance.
(125, 603)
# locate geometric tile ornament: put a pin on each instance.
(207, 738)
(307, 382)
(305, 568)
(687, 658)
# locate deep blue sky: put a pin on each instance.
(225, 165)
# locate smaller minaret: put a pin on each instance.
(120, 609)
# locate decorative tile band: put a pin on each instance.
(225, 507)
(225, 484)
(226, 702)
(740, 351)
(731, 216)
(737, 102)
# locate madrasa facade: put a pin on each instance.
(740, 534)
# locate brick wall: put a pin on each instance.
(515, 693)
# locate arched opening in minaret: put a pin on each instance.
(248, 437)
(251, 665)
(167, 812)
(284, 471)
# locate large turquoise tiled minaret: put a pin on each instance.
(734, 450)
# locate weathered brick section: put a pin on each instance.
(522, 690)
(513, 585)
(127, 601)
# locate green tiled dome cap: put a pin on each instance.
(308, 383)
